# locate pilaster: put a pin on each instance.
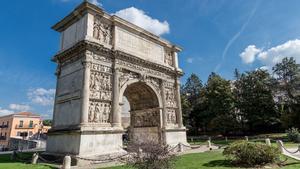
(85, 93)
(178, 99)
(116, 113)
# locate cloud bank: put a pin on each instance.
(139, 18)
(273, 55)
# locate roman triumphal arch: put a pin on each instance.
(103, 58)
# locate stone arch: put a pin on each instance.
(145, 111)
(128, 83)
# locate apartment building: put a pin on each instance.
(21, 125)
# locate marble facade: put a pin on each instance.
(101, 59)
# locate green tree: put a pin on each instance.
(253, 91)
(287, 91)
(47, 122)
(190, 96)
(220, 104)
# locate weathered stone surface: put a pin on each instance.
(103, 59)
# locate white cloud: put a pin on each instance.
(248, 56)
(95, 2)
(190, 60)
(139, 18)
(19, 107)
(41, 96)
(4, 112)
(273, 55)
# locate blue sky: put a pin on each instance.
(216, 35)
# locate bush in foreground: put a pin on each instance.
(150, 155)
(293, 135)
(251, 154)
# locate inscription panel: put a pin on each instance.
(139, 46)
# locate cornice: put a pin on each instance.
(82, 46)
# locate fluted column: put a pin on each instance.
(164, 109)
(85, 93)
(116, 114)
(179, 111)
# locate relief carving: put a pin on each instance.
(125, 76)
(139, 68)
(146, 118)
(99, 112)
(170, 97)
(101, 58)
(100, 86)
(168, 58)
(171, 116)
(102, 31)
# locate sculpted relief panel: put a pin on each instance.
(100, 94)
(99, 112)
(170, 103)
(169, 58)
(138, 46)
(146, 118)
(102, 31)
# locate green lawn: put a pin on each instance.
(7, 163)
(207, 160)
(211, 160)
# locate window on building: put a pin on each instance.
(4, 136)
(31, 123)
(18, 133)
(30, 133)
(7, 123)
(21, 123)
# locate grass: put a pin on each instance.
(7, 163)
(207, 160)
(211, 160)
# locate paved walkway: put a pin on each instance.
(290, 153)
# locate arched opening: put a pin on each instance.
(143, 119)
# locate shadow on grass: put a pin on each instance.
(218, 163)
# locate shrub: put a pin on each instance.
(251, 154)
(150, 155)
(293, 134)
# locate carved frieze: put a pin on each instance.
(100, 86)
(146, 118)
(171, 116)
(99, 112)
(170, 97)
(101, 68)
(154, 82)
(126, 75)
(143, 69)
(102, 31)
(102, 58)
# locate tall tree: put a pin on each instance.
(288, 78)
(255, 101)
(190, 97)
(220, 104)
(287, 91)
(192, 88)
